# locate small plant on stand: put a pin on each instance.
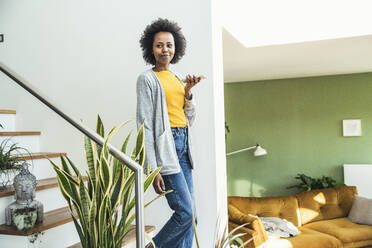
(10, 164)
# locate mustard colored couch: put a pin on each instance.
(320, 216)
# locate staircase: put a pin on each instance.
(57, 229)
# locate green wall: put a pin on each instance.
(299, 122)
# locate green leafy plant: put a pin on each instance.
(227, 129)
(105, 204)
(231, 239)
(224, 239)
(308, 183)
(8, 155)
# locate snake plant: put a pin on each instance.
(102, 208)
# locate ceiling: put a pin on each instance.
(306, 59)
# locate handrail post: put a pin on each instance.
(140, 223)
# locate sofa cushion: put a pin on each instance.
(361, 211)
(284, 207)
(343, 229)
(307, 238)
(365, 244)
(325, 204)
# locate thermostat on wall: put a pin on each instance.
(1, 38)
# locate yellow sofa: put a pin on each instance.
(320, 216)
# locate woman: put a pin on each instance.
(166, 108)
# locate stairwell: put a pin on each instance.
(57, 229)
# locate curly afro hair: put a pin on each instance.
(162, 25)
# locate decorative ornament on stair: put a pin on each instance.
(25, 212)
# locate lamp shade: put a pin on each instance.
(259, 151)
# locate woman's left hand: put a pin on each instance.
(191, 81)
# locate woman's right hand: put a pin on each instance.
(158, 184)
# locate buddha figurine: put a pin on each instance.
(24, 187)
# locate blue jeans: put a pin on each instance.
(178, 231)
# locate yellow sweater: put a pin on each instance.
(175, 97)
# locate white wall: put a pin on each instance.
(85, 56)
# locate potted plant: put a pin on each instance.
(227, 129)
(224, 239)
(25, 218)
(308, 183)
(9, 162)
(105, 203)
(231, 239)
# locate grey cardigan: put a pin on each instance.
(152, 111)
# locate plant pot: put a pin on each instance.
(25, 219)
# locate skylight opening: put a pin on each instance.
(257, 23)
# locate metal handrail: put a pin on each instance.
(138, 169)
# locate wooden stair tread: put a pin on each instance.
(7, 111)
(130, 237)
(19, 133)
(42, 184)
(41, 155)
(52, 219)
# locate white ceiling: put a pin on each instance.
(314, 58)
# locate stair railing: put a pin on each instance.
(138, 169)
